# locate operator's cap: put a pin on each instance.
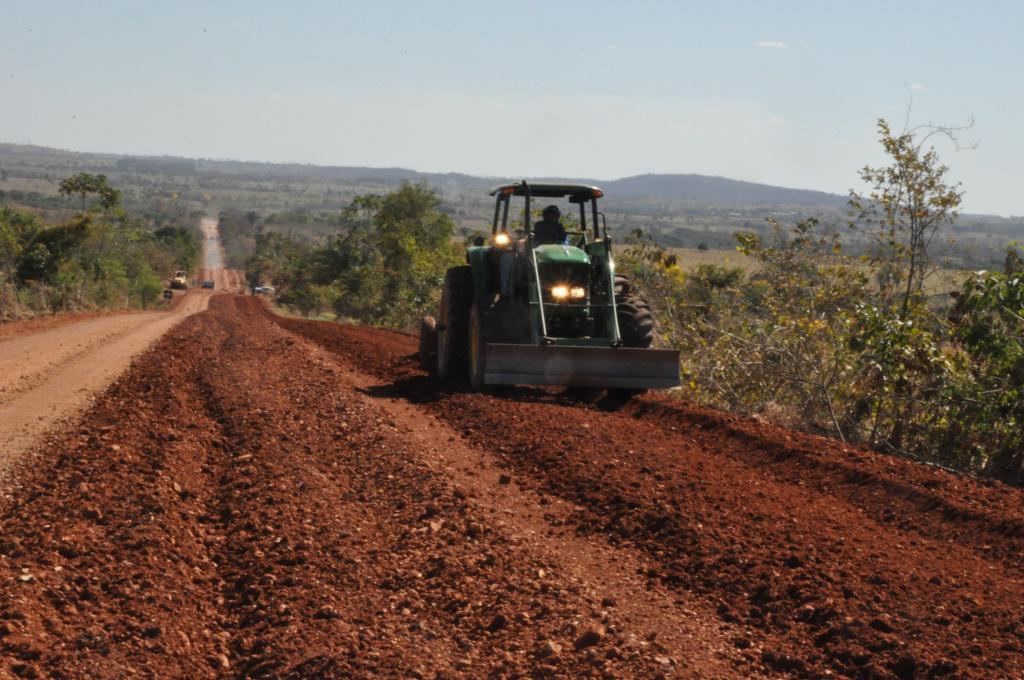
(552, 211)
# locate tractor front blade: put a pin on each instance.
(507, 364)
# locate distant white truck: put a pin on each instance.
(180, 280)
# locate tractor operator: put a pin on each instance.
(550, 229)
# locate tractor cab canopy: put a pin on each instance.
(575, 192)
(580, 194)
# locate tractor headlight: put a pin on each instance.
(560, 292)
(502, 239)
(577, 292)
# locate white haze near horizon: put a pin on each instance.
(786, 95)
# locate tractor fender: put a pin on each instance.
(480, 260)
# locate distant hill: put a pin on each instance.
(718, 190)
(703, 189)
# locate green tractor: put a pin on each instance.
(528, 312)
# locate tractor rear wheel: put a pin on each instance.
(636, 322)
(623, 286)
(453, 323)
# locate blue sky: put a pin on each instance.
(779, 92)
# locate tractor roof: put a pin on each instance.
(546, 190)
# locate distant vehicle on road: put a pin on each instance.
(180, 280)
(208, 284)
(263, 290)
(168, 294)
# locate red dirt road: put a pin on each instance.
(267, 497)
(50, 370)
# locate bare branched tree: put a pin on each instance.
(907, 203)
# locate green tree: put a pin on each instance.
(181, 240)
(43, 256)
(147, 285)
(1013, 264)
(17, 229)
(983, 422)
(415, 242)
(385, 265)
(85, 184)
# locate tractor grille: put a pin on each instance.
(563, 274)
(569, 318)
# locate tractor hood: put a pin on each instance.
(553, 253)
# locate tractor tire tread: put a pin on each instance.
(460, 280)
(636, 322)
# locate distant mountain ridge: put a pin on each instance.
(711, 189)
(705, 189)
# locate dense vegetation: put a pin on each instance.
(100, 257)
(384, 264)
(855, 347)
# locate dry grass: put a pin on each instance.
(722, 257)
(939, 282)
